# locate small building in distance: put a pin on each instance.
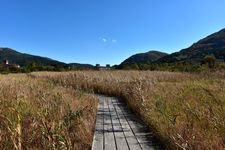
(6, 64)
(99, 67)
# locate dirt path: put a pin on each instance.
(118, 128)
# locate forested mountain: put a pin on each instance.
(213, 45)
(148, 57)
(23, 59)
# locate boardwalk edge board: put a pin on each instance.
(117, 128)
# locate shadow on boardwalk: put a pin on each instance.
(118, 128)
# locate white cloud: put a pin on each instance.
(104, 40)
(114, 41)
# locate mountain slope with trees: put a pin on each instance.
(212, 45)
(206, 53)
(29, 62)
(150, 56)
(23, 59)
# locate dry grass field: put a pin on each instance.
(187, 111)
(51, 110)
(36, 114)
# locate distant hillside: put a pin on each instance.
(211, 45)
(26, 59)
(15, 57)
(81, 66)
(148, 57)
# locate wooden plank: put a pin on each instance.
(118, 131)
(140, 130)
(108, 134)
(98, 137)
(118, 128)
(131, 139)
(142, 133)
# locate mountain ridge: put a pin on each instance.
(24, 59)
(213, 45)
(147, 57)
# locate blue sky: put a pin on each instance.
(106, 31)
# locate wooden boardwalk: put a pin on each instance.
(118, 129)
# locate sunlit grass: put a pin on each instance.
(46, 110)
(185, 110)
(36, 114)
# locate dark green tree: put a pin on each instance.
(210, 60)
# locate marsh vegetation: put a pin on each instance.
(185, 110)
(51, 110)
(36, 114)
